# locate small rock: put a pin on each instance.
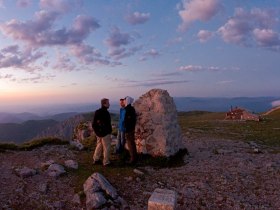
(55, 170)
(71, 164)
(138, 172)
(26, 172)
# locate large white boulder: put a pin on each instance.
(157, 130)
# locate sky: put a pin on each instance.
(79, 51)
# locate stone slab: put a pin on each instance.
(162, 199)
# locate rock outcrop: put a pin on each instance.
(157, 130)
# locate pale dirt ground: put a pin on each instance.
(218, 174)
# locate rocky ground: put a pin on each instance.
(218, 174)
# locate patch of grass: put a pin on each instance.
(41, 142)
(199, 124)
(8, 146)
(32, 144)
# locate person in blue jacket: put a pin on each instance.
(121, 130)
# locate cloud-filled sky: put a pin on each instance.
(77, 51)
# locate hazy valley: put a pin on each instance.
(21, 127)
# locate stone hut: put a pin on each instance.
(157, 130)
(238, 113)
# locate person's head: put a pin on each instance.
(105, 102)
(122, 102)
(128, 100)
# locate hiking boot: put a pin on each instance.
(97, 162)
(107, 165)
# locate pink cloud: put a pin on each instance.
(23, 3)
(197, 68)
(266, 37)
(61, 6)
(118, 38)
(138, 18)
(88, 55)
(118, 43)
(39, 32)
(194, 10)
(204, 35)
(11, 56)
(245, 27)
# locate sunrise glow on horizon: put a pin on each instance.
(77, 51)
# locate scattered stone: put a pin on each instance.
(138, 172)
(55, 170)
(71, 164)
(43, 187)
(129, 179)
(94, 187)
(26, 172)
(77, 144)
(257, 151)
(46, 164)
(162, 199)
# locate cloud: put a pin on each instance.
(39, 32)
(88, 54)
(197, 68)
(118, 38)
(137, 18)
(151, 83)
(7, 76)
(2, 4)
(23, 3)
(194, 10)
(61, 6)
(267, 38)
(224, 82)
(37, 78)
(191, 68)
(64, 63)
(11, 56)
(204, 35)
(118, 44)
(152, 53)
(168, 74)
(245, 27)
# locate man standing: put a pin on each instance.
(129, 126)
(102, 127)
(121, 137)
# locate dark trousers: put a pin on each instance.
(130, 140)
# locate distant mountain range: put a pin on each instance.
(20, 127)
(25, 116)
(254, 104)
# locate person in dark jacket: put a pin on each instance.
(102, 127)
(129, 126)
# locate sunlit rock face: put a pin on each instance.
(157, 130)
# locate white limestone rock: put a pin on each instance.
(157, 130)
(55, 170)
(71, 164)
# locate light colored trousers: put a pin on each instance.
(103, 145)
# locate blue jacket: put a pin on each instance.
(121, 120)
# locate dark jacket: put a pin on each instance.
(129, 118)
(101, 123)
